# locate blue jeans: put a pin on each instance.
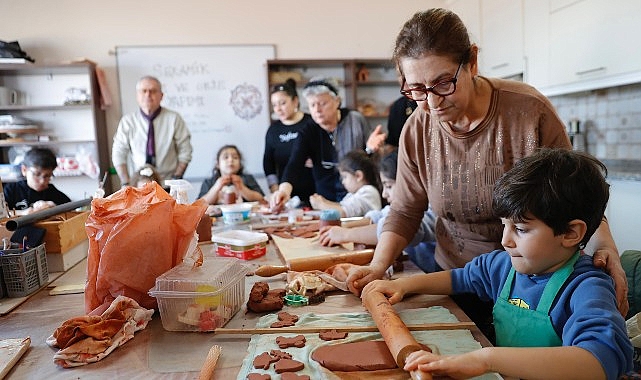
(422, 255)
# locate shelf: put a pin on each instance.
(62, 107)
(37, 69)
(44, 143)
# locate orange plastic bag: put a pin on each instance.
(135, 235)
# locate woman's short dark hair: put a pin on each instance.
(435, 31)
(555, 186)
(289, 87)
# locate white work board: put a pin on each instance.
(221, 91)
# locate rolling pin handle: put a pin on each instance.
(270, 270)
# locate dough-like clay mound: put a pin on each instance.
(356, 356)
(288, 365)
(332, 335)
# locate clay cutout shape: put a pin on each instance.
(280, 354)
(264, 360)
(258, 376)
(279, 324)
(332, 335)
(293, 376)
(355, 356)
(288, 365)
(285, 319)
(297, 341)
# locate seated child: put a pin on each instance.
(35, 193)
(359, 176)
(144, 175)
(228, 176)
(555, 313)
(420, 250)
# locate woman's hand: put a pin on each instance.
(611, 262)
(332, 235)
(376, 140)
(280, 197)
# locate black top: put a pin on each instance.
(279, 143)
(20, 196)
(399, 111)
(315, 143)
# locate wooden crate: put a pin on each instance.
(64, 231)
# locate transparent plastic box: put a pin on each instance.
(203, 298)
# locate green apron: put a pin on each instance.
(519, 327)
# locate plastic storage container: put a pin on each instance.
(24, 272)
(236, 213)
(202, 298)
(244, 245)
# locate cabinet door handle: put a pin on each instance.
(500, 66)
(590, 71)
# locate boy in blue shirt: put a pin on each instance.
(555, 314)
(35, 192)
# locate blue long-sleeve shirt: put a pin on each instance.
(584, 313)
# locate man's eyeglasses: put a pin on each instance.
(443, 88)
(37, 174)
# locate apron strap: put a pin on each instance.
(554, 284)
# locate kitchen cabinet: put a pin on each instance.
(588, 44)
(501, 47)
(623, 213)
(366, 85)
(59, 108)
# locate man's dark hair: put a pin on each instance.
(40, 158)
(555, 186)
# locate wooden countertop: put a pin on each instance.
(153, 349)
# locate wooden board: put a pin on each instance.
(10, 352)
(300, 248)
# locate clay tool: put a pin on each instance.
(397, 336)
(210, 363)
(317, 329)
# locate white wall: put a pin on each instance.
(54, 31)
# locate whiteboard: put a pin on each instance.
(221, 91)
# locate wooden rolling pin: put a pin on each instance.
(317, 263)
(397, 336)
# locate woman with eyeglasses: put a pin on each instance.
(335, 132)
(465, 133)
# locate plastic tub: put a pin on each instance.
(236, 213)
(202, 298)
(244, 245)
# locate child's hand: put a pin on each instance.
(391, 289)
(462, 366)
(332, 235)
(317, 201)
(42, 205)
(237, 181)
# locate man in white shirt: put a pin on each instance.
(152, 135)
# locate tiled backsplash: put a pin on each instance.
(611, 118)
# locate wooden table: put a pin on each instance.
(41, 314)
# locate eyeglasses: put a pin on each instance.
(37, 174)
(444, 88)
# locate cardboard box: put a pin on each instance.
(61, 262)
(64, 231)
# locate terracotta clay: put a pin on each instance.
(293, 376)
(288, 365)
(258, 376)
(280, 354)
(372, 356)
(285, 319)
(332, 335)
(296, 341)
(261, 298)
(264, 360)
